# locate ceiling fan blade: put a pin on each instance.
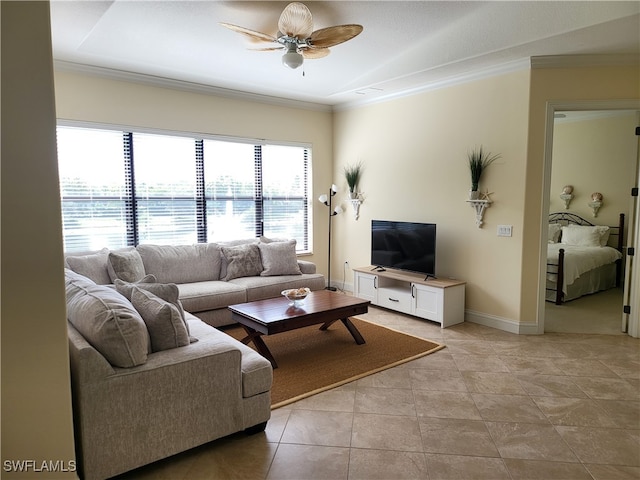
(296, 21)
(330, 36)
(252, 34)
(311, 53)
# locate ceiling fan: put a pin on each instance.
(297, 37)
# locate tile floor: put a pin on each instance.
(492, 405)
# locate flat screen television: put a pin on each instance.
(407, 246)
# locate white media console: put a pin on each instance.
(438, 300)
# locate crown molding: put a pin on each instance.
(162, 82)
(467, 77)
(568, 61)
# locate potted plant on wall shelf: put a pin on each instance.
(479, 160)
(352, 174)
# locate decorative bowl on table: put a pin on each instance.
(296, 295)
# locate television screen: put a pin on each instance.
(404, 245)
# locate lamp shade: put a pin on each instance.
(323, 198)
(338, 210)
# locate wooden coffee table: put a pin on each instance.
(275, 315)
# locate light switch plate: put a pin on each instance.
(504, 230)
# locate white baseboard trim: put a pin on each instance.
(500, 323)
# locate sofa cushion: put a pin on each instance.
(203, 296)
(182, 263)
(257, 373)
(107, 320)
(242, 261)
(259, 288)
(167, 328)
(92, 266)
(279, 258)
(126, 265)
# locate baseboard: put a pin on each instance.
(500, 323)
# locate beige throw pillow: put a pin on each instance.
(279, 258)
(108, 321)
(92, 266)
(166, 291)
(126, 265)
(164, 323)
(242, 261)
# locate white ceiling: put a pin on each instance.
(405, 45)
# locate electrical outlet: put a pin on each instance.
(504, 230)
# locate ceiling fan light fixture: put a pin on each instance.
(292, 58)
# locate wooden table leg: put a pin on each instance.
(261, 347)
(355, 333)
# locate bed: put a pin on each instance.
(580, 257)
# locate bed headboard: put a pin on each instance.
(616, 233)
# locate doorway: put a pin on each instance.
(578, 154)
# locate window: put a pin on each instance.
(126, 188)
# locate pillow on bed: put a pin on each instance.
(554, 232)
(604, 235)
(582, 236)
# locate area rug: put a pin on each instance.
(311, 361)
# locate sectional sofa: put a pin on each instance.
(209, 276)
(149, 378)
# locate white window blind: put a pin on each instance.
(92, 183)
(165, 189)
(230, 182)
(284, 183)
(122, 188)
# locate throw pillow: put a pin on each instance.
(107, 321)
(92, 266)
(554, 232)
(166, 327)
(242, 261)
(126, 265)
(232, 243)
(166, 291)
(279, 258)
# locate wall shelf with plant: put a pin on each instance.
(353, 174)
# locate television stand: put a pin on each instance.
(438, 300)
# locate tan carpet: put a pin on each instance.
(311, 361)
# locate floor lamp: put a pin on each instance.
(326, 199)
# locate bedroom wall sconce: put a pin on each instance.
(596, 202)
(567, 195)
(326, 199)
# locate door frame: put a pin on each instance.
(554, 106)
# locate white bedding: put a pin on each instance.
(579, 260)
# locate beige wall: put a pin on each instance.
(92, 99)
(563, 85)
(414, 152)
(595, 155)
(36, 400)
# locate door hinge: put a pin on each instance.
(634, 192)
(627, 309)
(631, 251)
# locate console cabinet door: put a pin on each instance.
(427, 302)
(365, 286)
